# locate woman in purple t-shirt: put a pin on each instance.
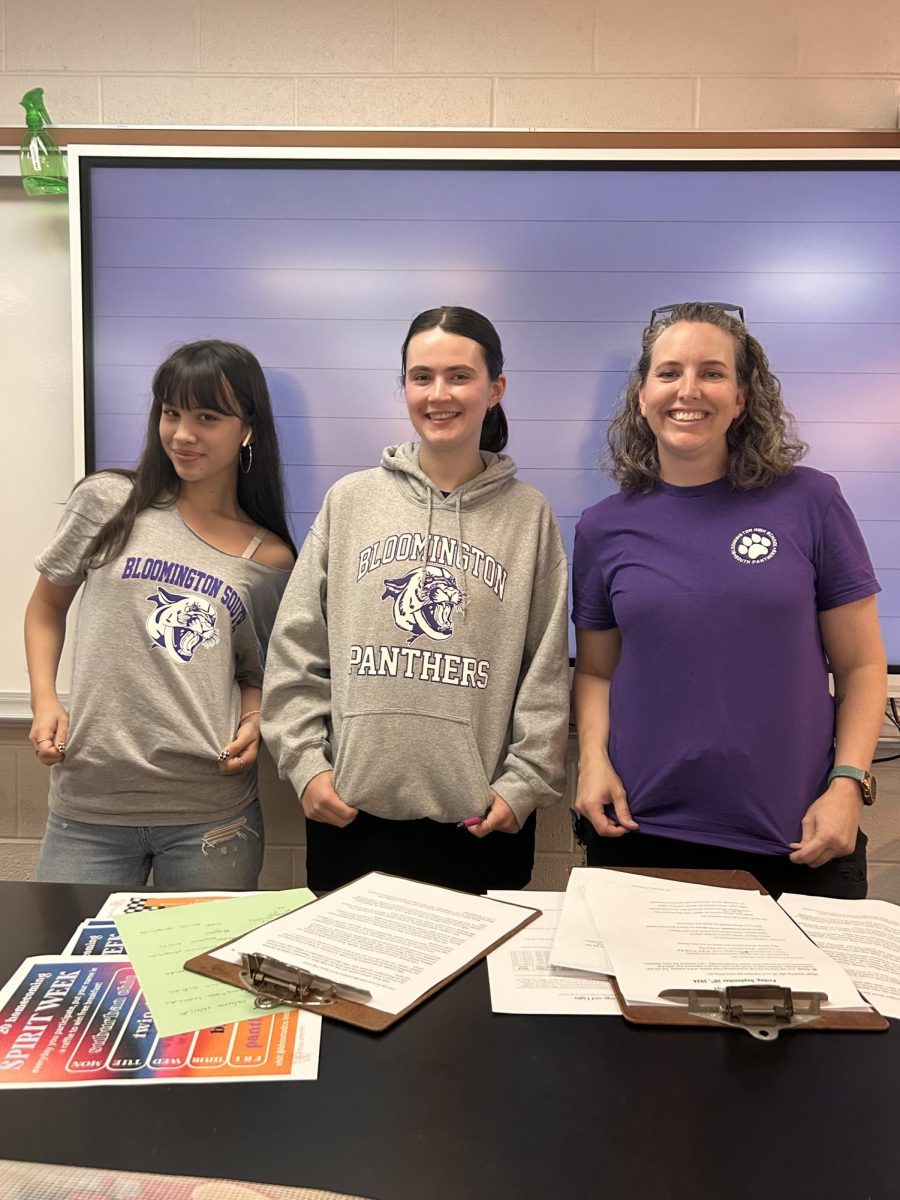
(713, 595)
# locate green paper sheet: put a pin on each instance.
(158, 944)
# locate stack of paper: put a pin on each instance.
(656, 934)
(524, 981)
(862, 935)
(118, 1007)
(660, 934)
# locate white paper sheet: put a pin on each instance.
(523, 980)
(660, 934)
(393, 937)
(862, 935)
(576, 943)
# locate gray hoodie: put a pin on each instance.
(420, 650)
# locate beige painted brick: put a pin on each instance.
(306, 37)
(281, 808)
(798, 103)
(882, 821)
(107, 35)
(884, 882)
(551, 872)
(882, 832)
(554, 829)
(197, 100)
(18, 860)
(650, 38)
(882, 825)
(497, 38)
(594, 103)
(70, 99)
(843, 36)
(278, 868)
(33, 786)
(401, 100)
(8, 805)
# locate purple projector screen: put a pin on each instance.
(318, 267)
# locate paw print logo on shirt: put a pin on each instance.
(754, 546)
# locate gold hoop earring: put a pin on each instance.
(248, 446)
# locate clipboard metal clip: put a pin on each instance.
(762, 1010)
(274, 983)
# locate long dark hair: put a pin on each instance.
(468, 323)
(762, 442)
(225, 378)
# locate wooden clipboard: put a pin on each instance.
(364, 1016)
(675, 1015)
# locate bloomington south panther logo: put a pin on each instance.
(754, 546)
(181, 623)
(425, 601)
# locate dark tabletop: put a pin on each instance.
(454, 1103)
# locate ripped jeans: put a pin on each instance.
(224, 855)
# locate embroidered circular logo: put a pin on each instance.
(754, 546)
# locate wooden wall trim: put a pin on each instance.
(463, 139)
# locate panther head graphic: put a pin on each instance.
(424, 602)
(181, 623)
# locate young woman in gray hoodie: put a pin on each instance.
(416, 689)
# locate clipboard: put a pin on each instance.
(764, 1016)
(290, 977)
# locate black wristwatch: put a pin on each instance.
(865, 780)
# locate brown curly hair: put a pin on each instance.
(762, 442)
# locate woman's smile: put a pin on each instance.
(690, 400)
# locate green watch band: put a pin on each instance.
(863, 778)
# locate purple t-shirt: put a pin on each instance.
(722, 726)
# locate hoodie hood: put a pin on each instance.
(499, 469)
(403, 460)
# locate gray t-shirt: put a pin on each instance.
(164, 632)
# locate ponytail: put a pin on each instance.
(494, 430)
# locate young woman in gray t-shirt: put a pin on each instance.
(183, 562)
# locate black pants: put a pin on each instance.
(843, 878)
(425, 850)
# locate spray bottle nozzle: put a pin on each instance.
(36, 115)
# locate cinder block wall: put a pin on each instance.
(575, 64)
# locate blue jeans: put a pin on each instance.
(224, 855)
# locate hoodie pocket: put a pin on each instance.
(404, 764)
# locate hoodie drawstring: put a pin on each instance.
(459, 550)
(428, 528)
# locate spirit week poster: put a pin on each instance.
(75, 1020)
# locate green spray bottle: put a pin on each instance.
(40, 159)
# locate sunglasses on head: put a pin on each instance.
(661, 314)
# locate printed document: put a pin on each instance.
(661, 934)
(577, 943)
(862, 935)
(522, 979)
(159, 941)
(392, 937)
